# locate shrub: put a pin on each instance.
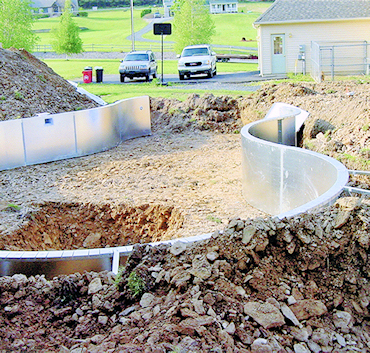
(146, 12)
(82, 14)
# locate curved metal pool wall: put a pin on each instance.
(283, 180)
(51, 137)
(63, 262)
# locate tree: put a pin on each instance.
(66, 36)
(192, 23)
(16, 24)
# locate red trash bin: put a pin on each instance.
(87, 76)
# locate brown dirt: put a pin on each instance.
(29, 87)
(258, 285)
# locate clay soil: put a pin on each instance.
(258, 285)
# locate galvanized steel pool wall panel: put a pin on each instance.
(280, 179)
(134, 117)
(47, 137)
(11, 144)
(96, 130)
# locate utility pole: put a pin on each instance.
(132, 25)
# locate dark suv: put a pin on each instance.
(138, 64)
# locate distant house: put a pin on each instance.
(215, 6)
(167, 4)
(223, 6)
(321, 35)
(52, 6)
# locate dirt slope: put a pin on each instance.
(29, 87)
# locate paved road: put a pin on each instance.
(238, 81)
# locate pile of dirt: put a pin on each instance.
(262, 285)
(29, 87)
(217, 114)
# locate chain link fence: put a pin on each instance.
(330, 59)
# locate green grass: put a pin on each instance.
(72, 69)
(102, 27)
(112, 27)
(112, 93)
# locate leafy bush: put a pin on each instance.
(82, 14)
(146, 12)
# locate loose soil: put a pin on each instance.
(258, 285)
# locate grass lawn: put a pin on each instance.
(72, 69)
(112, 27)
(113, 93)
(100, 27)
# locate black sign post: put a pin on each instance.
(161, 29)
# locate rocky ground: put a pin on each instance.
(257, 285)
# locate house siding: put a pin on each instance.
(297, 34)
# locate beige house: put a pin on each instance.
(223, 6)
(305, 36)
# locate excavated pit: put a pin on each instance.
(71, 226)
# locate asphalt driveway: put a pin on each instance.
(220, 78)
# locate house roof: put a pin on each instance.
(42, 3)
(50, 3)
(314, 10)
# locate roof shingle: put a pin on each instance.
(311, 10)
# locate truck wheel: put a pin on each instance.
(147, 77)
(155, 74)
(122, 78)
(181, 76)
(209, 73)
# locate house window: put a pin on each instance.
(278, 45)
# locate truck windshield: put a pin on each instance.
(195, 51)
(137, 57)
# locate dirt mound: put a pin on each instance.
(29, 87)
(299, 284)
(217, 114)
(58, 226)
